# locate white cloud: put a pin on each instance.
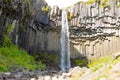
(62, 3)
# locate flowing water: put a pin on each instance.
(65, 43)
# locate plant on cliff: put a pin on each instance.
(118, 3)
(12, 58)
(7, 42)
(45, 9)
(103, 3)
(70, 15)
(90, 1)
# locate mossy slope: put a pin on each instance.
(12, 58)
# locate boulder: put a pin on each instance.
(116, 67)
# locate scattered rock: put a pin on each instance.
(47, 78)
(40, 78)
(74, 70)
(115, 56)
(54, 78)
(33, 79)
(7, 74)
(116, 67)
(102, 79)
(66, 75)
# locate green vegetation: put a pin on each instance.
(6, 41)
(102, 76)
(118, 3)
(103, 60)
(48, 59)
(90, 1)
(45, 9)
(9, 26)
(78, 62)
(99, 63)
(70, 15)
(77, 75)
(103, 3)
(12, 57)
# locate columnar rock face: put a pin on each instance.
(94, 29)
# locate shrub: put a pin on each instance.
(6, 41)
(48, 59)
(78, 62)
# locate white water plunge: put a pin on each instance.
(65, 43)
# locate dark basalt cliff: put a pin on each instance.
(35, 26)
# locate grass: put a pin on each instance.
(96, 64)
(102, 65)
(102, 76)
(78, 62)
(14, 58)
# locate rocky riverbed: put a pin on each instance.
(107, 72)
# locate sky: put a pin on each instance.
(62, 3)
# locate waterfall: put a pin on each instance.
(65, 43)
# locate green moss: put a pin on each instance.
(79, 2)
(45, 9)
(69, 7)
(116, 60)
(96, 64)
(12, 57)
(118, 3)
(95, 68)
(48, 59)
(9, 26)
(6, 41)
(102, 60)
(102, 76)
(78, 62)
(70, 15)
(90, 1)
(103, 3)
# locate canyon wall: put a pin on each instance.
(94, 29)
